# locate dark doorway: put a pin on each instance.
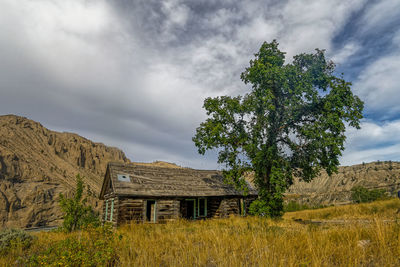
(151, 210)
(187, 209)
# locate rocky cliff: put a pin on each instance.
(337, 188)
(36, 164)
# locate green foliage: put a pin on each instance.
(291, 123)
(259, 208)
(96, 246)
(361, 194)
(12, 238)
(76, 213)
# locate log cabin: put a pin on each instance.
(145, 193)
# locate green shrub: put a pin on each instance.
(94, 246)
(361, 194)
(76, 213)
(11, 238)
(259, 208)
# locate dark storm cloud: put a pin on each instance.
(134, 74)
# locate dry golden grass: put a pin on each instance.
(259, 242)
(352, 235)
(385, 209)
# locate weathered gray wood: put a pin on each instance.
(170, 188)
(151, 181)
(128, 209)
(167, 210)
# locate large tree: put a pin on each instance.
(291, 123)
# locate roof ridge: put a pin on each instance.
(164, 181)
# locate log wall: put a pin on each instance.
(134, 209)
(213, 207)
(167, 210)
(222, 207)
(131, 209)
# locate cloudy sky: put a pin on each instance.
(134, 74)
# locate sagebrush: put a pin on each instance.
(12, 238)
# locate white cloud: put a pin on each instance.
(347, 51)
(313, 24)
(76, 43)
(176, 16)
(374, 154)
(260, 29)
(177, 13)
(378, 86)
(373, 134)
(379, 14)
(372, 142)
(137, 78)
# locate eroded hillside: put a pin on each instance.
(36, 164)
(336, 189)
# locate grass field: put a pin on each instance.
(352, 235)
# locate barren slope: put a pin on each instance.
(336, 189)
(37, 164)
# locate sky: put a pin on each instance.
(134, 74)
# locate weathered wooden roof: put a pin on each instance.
(148, 181)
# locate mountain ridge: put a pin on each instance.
(37, 164)
(336, 189)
